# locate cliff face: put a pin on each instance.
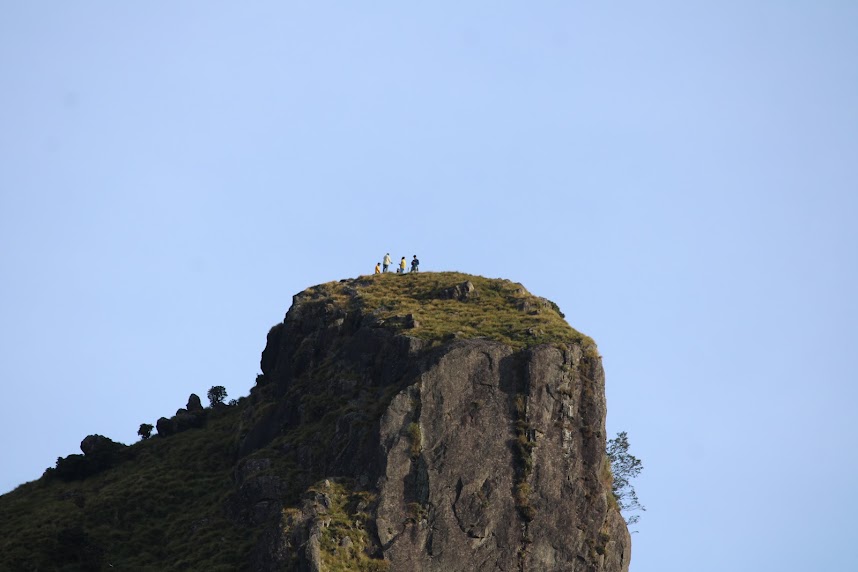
(437, 422)
(470, 454)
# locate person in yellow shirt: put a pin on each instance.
(378, 267)
(402, 265)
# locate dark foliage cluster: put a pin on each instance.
(216, 395)
(145, 430)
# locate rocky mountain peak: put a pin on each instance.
(433, 421)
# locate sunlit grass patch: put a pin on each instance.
(498, 309)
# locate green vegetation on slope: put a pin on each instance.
(345, 538)
(163, 505)
(498, 310)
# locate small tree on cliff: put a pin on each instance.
(216, 395)
(145, 430)
(624, 467)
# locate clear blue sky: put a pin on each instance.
(680, 177)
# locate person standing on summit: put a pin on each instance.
(402, 265)
(386, 262)
(414, 264)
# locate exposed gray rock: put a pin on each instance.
(484, 458)
(312, 551)
(461, 292)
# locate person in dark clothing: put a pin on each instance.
(414, 264)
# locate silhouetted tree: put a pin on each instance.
(145, 430)
(216, 395)
(624, 467)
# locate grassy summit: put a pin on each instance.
(497, 309)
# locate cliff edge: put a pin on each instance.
(433, 421)
(468, 410)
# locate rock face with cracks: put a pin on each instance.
(469, 454)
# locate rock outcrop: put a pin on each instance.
(194, 416)
(476, 455)
(94, 445)
(194, 404)
(461, 292)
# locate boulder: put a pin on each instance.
(165, 427)
(194, 404)
(95, 444)
(462, 292)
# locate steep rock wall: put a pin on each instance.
(478, 457)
